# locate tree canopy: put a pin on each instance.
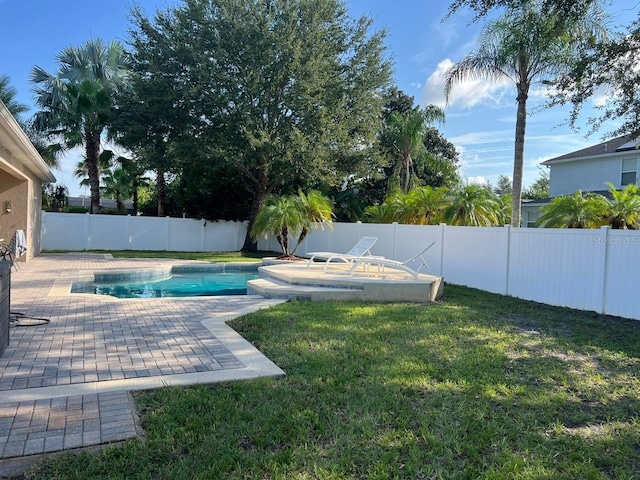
(282, 91)
(404, 135)
(566, 8)
(607, 68)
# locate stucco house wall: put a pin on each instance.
(22, 172)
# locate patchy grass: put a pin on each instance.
(475, 386)
(203, 256)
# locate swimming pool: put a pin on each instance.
(178, 283)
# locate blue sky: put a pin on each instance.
(480, 115)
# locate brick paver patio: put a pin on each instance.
(66, 384)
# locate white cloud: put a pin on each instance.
(602, 95)
(464, 94)
(477, 138)
(479, 180)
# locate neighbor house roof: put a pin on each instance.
(13, 138)
(609, 147)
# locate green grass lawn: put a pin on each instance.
(474, 386)
(203, 256)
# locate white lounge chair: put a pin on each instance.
(387, 262)
(362, 249)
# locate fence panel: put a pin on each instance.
(72, 231)
(64, 231)
(476, 257)
(623, 264)
(149, 233)
(108, 232)
(224, 236)
(557, 267)
(411, 240)
(341, 239)
(185, 235)
(318, 240)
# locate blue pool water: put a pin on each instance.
(192, 284)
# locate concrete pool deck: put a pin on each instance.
(66, 384)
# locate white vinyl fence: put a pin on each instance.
(592, 270)
(74, 231)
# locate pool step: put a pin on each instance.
(314, 282)
(303, 279)
(274, 288)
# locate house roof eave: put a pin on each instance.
(614, 147)
(12, 135)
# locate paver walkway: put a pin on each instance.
(66, 384)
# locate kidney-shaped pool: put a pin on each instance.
(179, 284)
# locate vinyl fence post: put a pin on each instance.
(203, 226)
(605, 278)
(129, 232)
(395, 234)
(87, 231)
(168, 224)
(507, 276)
(43, 229)
(442, 227)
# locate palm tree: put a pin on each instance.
(317, 210)
(350, 205)
(138, 179)
(8, 97)
(472, 205)
(118, 184)
(380, 213)
(80, 172)
(504, 209)
(623, 210)
(105, 162)
(405, 134)
(290, 214)
(528, 44)
(428, 203)
(574, 211)
(76, 104)
(421, 206)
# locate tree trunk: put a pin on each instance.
(251, 243)
(285, 241)
(161, 186)
(407, 171)
(518, 155)
(92, 151)
(135, 201)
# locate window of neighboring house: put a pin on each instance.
(629, 171)
(532, 218)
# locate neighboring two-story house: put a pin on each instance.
(588, 170)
